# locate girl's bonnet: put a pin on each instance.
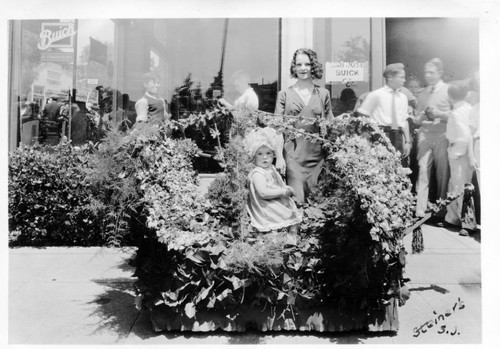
(260, 137)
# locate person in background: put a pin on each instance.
(26, 113)
(388, 107)
(460, 152)
(347, 102)
(474, 99)
(64, 116)
(431, 114)
(359, 102)
(247, 98)
(151, 108)
(51, 119)
(414, 86)
(303, 159)
(110, 116)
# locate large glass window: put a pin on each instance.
(95, 71)
(344, 45)
(414, 41)
(99, 64)
(60, 62)
(42, 66)
(196, 57)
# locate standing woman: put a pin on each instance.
(303, 160)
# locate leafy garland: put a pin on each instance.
(348, 251)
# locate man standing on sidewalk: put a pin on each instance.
(432, 114)
(388, 106)
(460, 151)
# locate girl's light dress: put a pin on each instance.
(271, 214)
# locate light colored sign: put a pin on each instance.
(87, 94)
(56, 57)
(57, 35)
(344, 71)
(92, 81)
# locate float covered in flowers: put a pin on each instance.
(201, 266)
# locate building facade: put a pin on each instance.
(84, 62)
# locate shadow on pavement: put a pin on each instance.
(295, 337)
(429, 288)
(359, 337)
(476, 235)
(126, 265)
(115, 307)
(248, 337)
(348, 337)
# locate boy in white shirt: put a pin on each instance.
(460, 153)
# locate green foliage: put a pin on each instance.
(112, 176)
(229, 191)
(109, 193)
(364, 202)
(200, 252)
(144, 180)
(48, 197)
(348, 252)
(174, 205)
(209, 131)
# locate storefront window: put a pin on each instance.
(60, 62)
(42, 67)
(195, 60)
(344, 45)
(95, 78)
(414, 41)
(98, 64)
(197, 57)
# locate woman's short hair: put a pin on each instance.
(316, 66)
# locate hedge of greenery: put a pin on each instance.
(49, 197)
(93, 195)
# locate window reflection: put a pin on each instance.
(345, 45)
(453, 40)
(95, 79)
(195, 59)
(98, 64)
(45, 63)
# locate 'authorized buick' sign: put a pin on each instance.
(56, 35)
(344, 71)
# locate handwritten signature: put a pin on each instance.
(459, 305)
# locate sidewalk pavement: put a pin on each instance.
(84, 296)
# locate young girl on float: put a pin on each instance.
(269, 205)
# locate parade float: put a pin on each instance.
(199, 264)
